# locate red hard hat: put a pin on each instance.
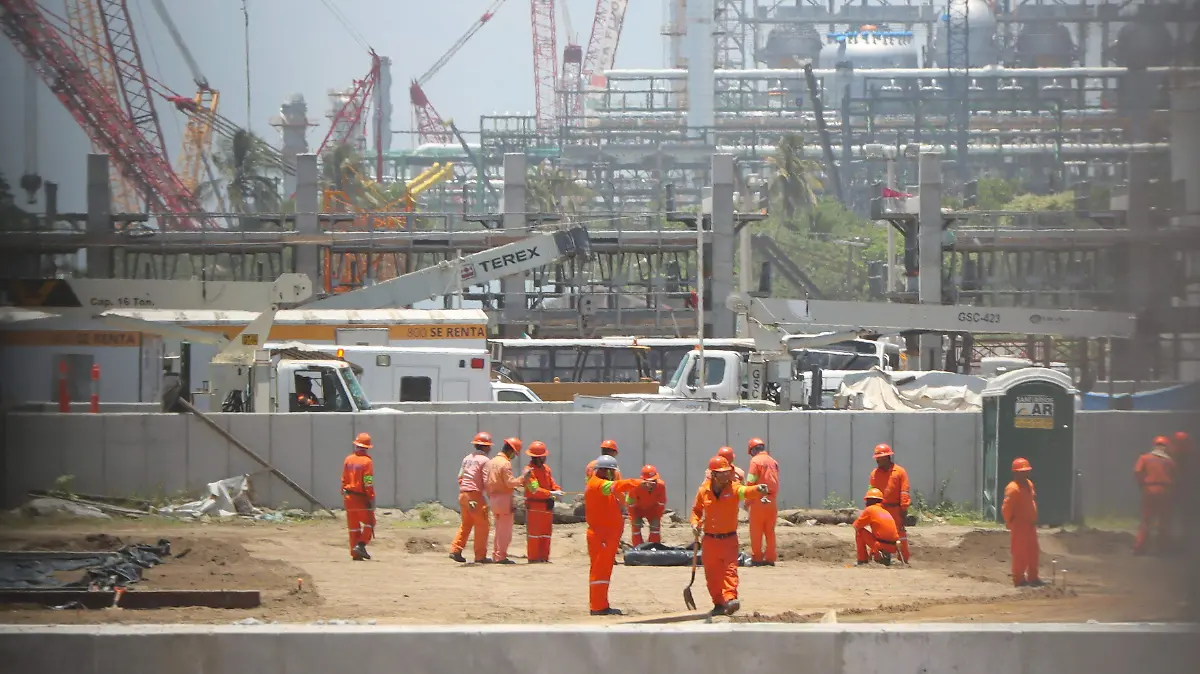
(482, 438)
(883, 449)
(1181, 436)
(649, 472)
(537, 448)
(718, 464)
(515, 443)
(755, 442)
(363, 440)
(726, 453)
(609, 445)
(1162, 440)
(1021, 466)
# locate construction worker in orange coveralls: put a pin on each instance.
(498, 476)
(715, 514)
(726, 453)
(358, 497)
(1020, 518)
(471, 503)
(875, 531)
(602, 502)
(540, 492)
(892, 480)
(1155, 473)
(764, 469)
(647, 502)
(607, 448)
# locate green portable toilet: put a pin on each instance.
(1031, 413)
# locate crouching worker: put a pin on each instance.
(875, 531)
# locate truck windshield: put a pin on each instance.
(805, 359)
(684, 364)
(355, 389)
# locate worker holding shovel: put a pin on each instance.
(715, 514)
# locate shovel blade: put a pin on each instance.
(688, 600)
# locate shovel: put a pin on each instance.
(688, 600)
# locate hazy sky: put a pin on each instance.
(298, 46)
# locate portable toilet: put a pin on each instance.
(1030, 413)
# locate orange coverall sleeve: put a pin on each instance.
(905, 497)
(1139, 469)
(1009, 507)
(506, 477)
(369, 479)
(863, 520)
(533, 487)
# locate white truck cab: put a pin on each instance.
(282, 380)
(503, 392)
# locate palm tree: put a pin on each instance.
(242, 163)
(549, 189)
(796, 182)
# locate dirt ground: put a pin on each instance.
(304, 572)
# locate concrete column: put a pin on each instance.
(1142, 268)
(99, 215)
(513, 287)
(308, 255)
(929, 238)
(723, 321)
(700, 47)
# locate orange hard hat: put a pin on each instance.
(719, 464)
(609, 445)
(482, 438)
(514, 443)
(1181, 436)
(883, 449)
(363, 440)
(649, 472)
(1021, 465)
(873, 493)
(755, 443)
(537, 448)
(726, 453)
(1162, 440)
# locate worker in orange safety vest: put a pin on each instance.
(875, 531)
(647, 502)
(540, 492)
(602, 500)
(1155, 474)
(892, 480)
(1019, 510)
(715, 514)
(471, 502)
(764, 469)
(358, 497)
(498, 476)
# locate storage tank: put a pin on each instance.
(982, 46)
(1142, 45)
(791, 45)
(871, 49)
(1044, 45)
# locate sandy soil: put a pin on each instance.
(957, 574)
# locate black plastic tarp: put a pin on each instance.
(660, 554)
(36, 570)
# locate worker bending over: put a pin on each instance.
(647, 502)
(875, 531)
(1155, 474)
(715, 513)
(892, 480)
(358, 497)
(602, 502)
(1020, 518)
(498, 475)
(764, 469)
(540, 492)
(472, 506)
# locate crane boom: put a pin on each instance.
(448, 277)
(606, 35)
(545, 63)
(131, 72)
(100, 115)
(197, 76)
(458, 44)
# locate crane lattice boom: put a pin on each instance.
(545, 63)
(606, 35)
(348, 117)
(131, 73)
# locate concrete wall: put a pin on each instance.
(798, 649)
(417, 455)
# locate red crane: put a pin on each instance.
(430, 127)
(602, 45)
(545, 63)
(139, 160)
(131, 73)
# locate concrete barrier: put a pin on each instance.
(796, 649)
(417, 455)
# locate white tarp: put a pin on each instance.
(226, 498)
(912, 391)
(622, 404)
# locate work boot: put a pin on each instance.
(1036, 582)
(732, 606)
(717, 609)
(863, 562)
(361, 551)
(457, 556)
(885, 558)
(503, 561)
(608, 611)
(1020, 583)
(485, 560)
